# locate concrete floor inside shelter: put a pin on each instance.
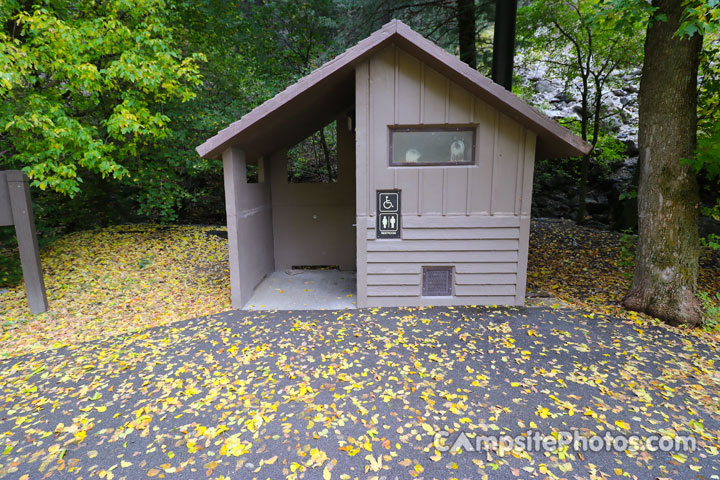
(305, 290)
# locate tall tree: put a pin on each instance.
(588, 50)
(459, 26)
(504, 42)
(83, 85)
(465, 14)
(666, 266)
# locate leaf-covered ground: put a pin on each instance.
(592, 269)
(119, 280)
(125, 278)
(360, 394)
(339, 394)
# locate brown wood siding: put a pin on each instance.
(485, 258)
(470, 217)
(460, 268)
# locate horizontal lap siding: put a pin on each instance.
(482, 249)
(444, 245)
(440, 257)
(392, 291)
(459, 221)
(486, 279)
(395, 279)
(411, 268)
(440, 301)
(455, 233)
(476, 290)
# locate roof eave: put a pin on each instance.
(559, 140)
(214, 146)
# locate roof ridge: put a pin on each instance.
(488, 84)
(447, 64)
(390, 27)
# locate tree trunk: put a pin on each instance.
(326, 153)
(585, 165)
(466, 31)
(582, 189)
(666, 265)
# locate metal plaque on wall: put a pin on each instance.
(388, 214)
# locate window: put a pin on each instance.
(254, 172)
(413, 146)
(314, 160)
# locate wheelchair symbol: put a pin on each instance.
(389, 202)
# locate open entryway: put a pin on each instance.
(312, 203)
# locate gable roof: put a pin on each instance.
(318, 98)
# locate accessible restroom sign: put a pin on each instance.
(388, 214)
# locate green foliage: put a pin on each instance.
(628, 246)
(707, 157)
(582, 44)
(146, 261)
(629, 195)
(434, 19)
(253, 50)
(701, 17)
(306, 160)
(108, 101)
(711, 305)
(85, 85)
(589, 50)
(712, 241)
(10, 268)
(608, 149)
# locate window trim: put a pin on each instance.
(433, 128)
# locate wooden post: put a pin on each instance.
(16, 199)
(234, 171)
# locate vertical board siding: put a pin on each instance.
(431, 190)
(506, 166)
(460, 103)
(468, 217)
(362, 142)
(455, 189)
(407, 181)
(408, 89)
(435, 97)
(527, 185)
(480, 197)
(382, 114)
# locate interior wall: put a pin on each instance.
(250, 226)
(473, 218)
(313, 223)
